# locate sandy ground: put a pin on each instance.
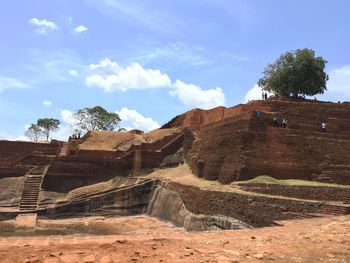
(145, 239)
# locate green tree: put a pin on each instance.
(48, 125)
(96, 118)
(295, 72)
(34, 132)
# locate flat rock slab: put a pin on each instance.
(26, 221)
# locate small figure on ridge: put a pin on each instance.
(258, 115)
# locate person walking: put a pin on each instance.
(323, 127)
(258, 115)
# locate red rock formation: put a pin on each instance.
(232, 144)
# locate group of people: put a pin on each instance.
(286, 125)
(285, 122)
(75, 135)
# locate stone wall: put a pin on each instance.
(17, 158)
(254, 210)
(304, 192)
(241, 147)
(89, 167)
(67, 173)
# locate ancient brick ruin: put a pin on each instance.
(112, 172)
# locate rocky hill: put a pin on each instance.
(232, 144)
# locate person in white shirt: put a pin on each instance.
(324, 127)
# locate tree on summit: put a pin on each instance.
(34, 132)
(48, 125)
(96, 118)
(295, 72)
(43, 127)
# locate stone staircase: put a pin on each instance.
(64, 149)
(30, 194)
(31, 189)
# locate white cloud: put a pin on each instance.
(67, 117)
(131, 119)
(11, 83)
(255, 93)
(112, 77)
(67, 126)
(43, 26)
(106, 64)
(339, 82)
(73, 72)
(195, 96)
(80, 29)
(47, 103)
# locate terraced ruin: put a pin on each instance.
(204, 170)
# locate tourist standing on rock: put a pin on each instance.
(263, 95)
(284, 123)
(258, 115)
(324, 127)
(275, 121)
(287, 124)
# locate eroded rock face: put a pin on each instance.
(167, 205)
(126, 196)
(10, 191)
(173, 160)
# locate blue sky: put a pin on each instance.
(152, 60)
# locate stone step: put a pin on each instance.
(30, 193)
(28, 203)
(34, 180)
(29, 181)
(28, 206)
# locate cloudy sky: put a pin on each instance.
(151, 60)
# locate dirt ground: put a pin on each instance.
(146, 239)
